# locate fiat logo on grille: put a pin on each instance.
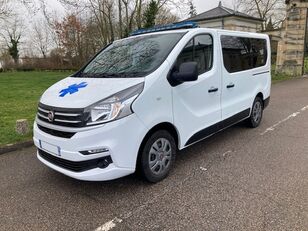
(51, 116)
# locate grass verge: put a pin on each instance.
(19, 96)
(278, 77)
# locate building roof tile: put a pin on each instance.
(221, 12)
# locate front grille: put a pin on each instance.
(74, 166)
(62, 116)
(57, 133)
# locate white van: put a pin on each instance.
(143, 98)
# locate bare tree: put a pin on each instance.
(120, 18)
(265, 9)
(4, 9)
(42, 38)
(116, 19)
(164, 17)
(12, 35)
(236, 4)
(93, 24)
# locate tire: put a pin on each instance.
(157, 156)
(256, 113)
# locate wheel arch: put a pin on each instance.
(161, 126)
(260, 94)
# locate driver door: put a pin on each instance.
(196, 105)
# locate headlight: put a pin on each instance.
(114, 107)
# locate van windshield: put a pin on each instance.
(132, 57)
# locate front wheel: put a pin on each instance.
(157, 156)
(256, 113)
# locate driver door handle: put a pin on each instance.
(213, 89)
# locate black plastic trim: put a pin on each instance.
(82, 117)
(76, 166)
(261, 73)
(60, 109)
(266, 102)
(206, 132)
(230, 86)
(213, 90)
(56, 133)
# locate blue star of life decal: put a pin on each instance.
(72, 89)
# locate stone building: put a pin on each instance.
(224, 18)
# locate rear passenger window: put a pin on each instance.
(200, 50)
(242, 54)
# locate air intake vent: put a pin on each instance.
(57, 133)
(76, 166)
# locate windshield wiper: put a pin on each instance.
(112, 75)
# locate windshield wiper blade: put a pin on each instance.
(111, 75)
(133, 74)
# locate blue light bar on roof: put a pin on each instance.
(172, 26)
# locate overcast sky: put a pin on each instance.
(201, 5)
(204, 5)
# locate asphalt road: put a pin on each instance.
(240, 179)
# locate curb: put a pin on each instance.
(14, 147)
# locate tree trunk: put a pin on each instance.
(120, 19)
(111, 25)
(139, 16)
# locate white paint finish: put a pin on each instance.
(246, 85)
(293, 115)
(189, 107)
(154, 105)
(122, 137)
(109, 225)
(194, 108)
(97, 89)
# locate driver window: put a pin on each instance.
(186, 54)
(200, 50)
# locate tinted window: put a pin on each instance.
(242, 54)
(132, 57)
(200, 50)
(187, 54)
(203, 52)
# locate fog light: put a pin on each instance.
(95, 151)
(104, 163)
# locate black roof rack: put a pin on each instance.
(172, 26)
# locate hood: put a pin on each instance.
(82, 92)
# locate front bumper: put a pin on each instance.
(122, 139)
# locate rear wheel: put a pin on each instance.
(157, 156)
(256, 113)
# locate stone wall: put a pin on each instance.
(291, 49)
(232, 23)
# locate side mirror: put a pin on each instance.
(188, 72)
